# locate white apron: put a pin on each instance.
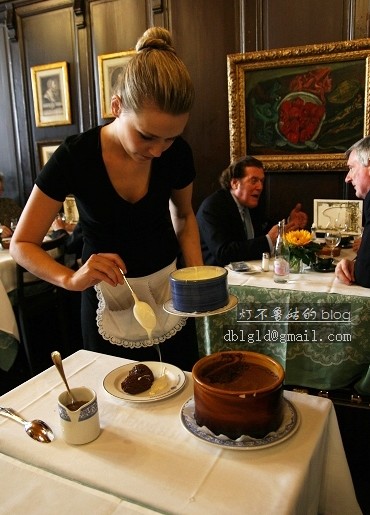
(115, 318)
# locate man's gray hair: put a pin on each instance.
(362, 147)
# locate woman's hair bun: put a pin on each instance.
(155, 38)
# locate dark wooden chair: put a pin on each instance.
(41, 311)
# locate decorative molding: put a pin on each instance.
(157, 6)
(158, 13)
(7, 18)
(79, 10)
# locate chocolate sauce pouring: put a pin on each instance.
(147, 319)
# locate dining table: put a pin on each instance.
(314, 325)
(148, 458)
(9, 334)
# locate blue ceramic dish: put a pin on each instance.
(199, 288)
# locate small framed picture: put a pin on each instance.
(342, 215)
(50, 89)
(110, 66)
(70, 210)
(46, 149)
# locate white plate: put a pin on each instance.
(252, 270)
(175, 377)
(245, 443)
(168, 307)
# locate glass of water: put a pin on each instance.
(332, 240)
(13, 224)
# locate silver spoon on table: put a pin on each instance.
(57, 360)
(36, 429)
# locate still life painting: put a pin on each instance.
(299, 108)
(315, 108)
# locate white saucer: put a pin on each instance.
(287, 429)
(168, 307)
(252, 270)
(176, 380)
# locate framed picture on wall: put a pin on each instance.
(50, 90)
(46, 149)
(299, 108)
(334, 214)
(110, 66)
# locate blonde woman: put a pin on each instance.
(132, 180)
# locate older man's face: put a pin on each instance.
(248, 189)
(358, 175)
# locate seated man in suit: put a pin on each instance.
(73, 244)
(357, 271)
(232, 226)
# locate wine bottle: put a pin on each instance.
(281, 259)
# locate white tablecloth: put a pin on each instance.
(145, 457)
(42, 493)
(9, 335)
(307, 281)
(7, 270)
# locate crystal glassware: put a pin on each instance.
(332, 240)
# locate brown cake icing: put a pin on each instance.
(238, 393)
(139, 379)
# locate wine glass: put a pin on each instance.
(13, 224)
(332, 239)
(340, 225)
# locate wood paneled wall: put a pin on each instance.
(205, 31)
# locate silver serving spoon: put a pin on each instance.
(143, 313)
(36, 429)
(57, 360)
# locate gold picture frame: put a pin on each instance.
(46, 149)
(70, 210)
(299, 108)
(109, 67)
(50, 89)
(343, 215)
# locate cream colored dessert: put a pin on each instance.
(195, 273)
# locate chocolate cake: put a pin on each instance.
(139, 379)
(238, 393)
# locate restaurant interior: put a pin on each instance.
(223, 43)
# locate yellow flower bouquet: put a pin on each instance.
(301, 248)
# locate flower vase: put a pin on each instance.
(295, 265)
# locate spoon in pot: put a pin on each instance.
(142, 311)
(36, 429)
(57, 360)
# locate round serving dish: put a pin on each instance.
(301, 115)
(199, 288)
(238, 393)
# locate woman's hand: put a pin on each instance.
(99, 267)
